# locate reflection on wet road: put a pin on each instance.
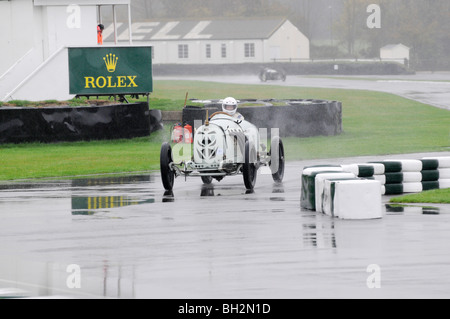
(130, 239)
(428, 88)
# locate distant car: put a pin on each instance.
(224, 146)
(267, 74)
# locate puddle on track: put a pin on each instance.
(131, 239)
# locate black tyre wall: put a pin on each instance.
(54, 124)
(300, 118)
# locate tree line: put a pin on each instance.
(422, 25)
(336, 28)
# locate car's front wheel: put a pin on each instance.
(167, 174)
(206, 179)
(277, 159)
(249, 169)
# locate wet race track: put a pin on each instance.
(124, 237)
(428, 88)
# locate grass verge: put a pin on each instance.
(374, 123)
(435, 196)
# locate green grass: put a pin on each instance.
(374, 124)
(80, 158)
(435, 196)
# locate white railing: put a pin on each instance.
(32, 74)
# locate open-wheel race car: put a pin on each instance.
(267, 74)
(224, 145)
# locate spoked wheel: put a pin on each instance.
(263, 77)
(277, 159)
(206, 179)
(249, 169)
(167, 174)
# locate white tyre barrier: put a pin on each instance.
(408, 165)
(360, 170)
(380, 178)
(412, 177)
(443, 161)
(429, 164)
(444, 173)
(320, 168)
(307, 196)
(353, 199)
(444, 183)
(412, 187)
(439, 172)
(378, 168)
(428, 185)
(392, 189)
(390, 167)
(393, 177)
(320, 182)
(430, 175)
(427, 171)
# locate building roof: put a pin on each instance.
(393, 46)
(214, 29)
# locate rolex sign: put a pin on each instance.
(110, 70)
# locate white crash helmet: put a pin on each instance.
(229, 105)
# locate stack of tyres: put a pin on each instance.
(320, 181)
(439, 172)
(390, 178)
(413, 176)
(308, 193)
(394, 177)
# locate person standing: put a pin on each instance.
(100, 29)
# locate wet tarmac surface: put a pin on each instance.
(125, 237)
(428, 88)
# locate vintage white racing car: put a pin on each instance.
(267, 74)
(224, 146)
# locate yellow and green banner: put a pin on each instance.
(110, 70)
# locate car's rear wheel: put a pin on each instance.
(263, 77)
(277, 159)
(249, 169)
(167, 174)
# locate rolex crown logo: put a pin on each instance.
(111, 62)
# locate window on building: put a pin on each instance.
(249, 50)
(183, 51)
(223, 50)
(208, 51)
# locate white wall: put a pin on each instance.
(15, 33)
(30, 35)
(49, 82)
(287, 43)
(397, 52)
(24, 27)
(69, 26)
(167, 52)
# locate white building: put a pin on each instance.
(395, 52)
(218, 41)
(34, 36)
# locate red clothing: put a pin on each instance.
(99, 36)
